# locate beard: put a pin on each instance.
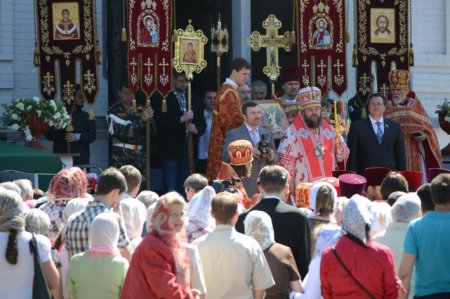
(313, 124)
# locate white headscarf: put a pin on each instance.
(313, 196)
(199, 210)
(104, 233)
(328, 236)
(356, 216)
(258, 225)
(406, 208)
(133, 214)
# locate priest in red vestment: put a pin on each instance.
(310, 149)
(227, 114)
(290, 78)
(421, 143)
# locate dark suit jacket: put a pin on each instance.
(171, 136)
(365, 151)
(290, 227)
(240, 133)
(82, 125)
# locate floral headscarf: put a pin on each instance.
(258, 225)
(69, 183)
(357, 217)
(161, 229)
(11, 211)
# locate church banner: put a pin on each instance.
(321, 27)
(382, 43)
(66, 44)
(150, 46)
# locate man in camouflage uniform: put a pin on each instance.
(127, 126)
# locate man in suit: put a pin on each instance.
(173, 125)
(289, 224)
(261, 139)
(375, 141)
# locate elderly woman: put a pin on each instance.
(17, 265)
(358, 267)
(36, 221)
(100, 271)
(160, 265)
(67, 184)
(199, 214)
(405, 209)
(258, 225)
(322, 201)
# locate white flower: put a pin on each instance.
(29, 108)
(447, 118)
(20, 106)
(14, 116)
(50, 123)
(14, 127)
(52, 103)
(57, 115)
(28, 137)
(36, 99)
(38, 112)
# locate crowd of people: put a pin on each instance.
(312, 215)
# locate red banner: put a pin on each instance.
(150, 46)
(321, 27)
(66, 35)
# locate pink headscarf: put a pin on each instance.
(69, 183)
(161, 229)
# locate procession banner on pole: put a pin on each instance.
(322, 32)
(66, 36)
(149, 46)
(382, 42)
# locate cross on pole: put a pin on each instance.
(271, 41)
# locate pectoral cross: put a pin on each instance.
(271, 41)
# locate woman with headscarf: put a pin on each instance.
(100, 271)
(160, 265)
(358, 267)
(67, 184)
(322, 201)
(326, 235)
(17, 265)
(258, 225)
(199, 214)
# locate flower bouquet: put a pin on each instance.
(444, 108)
(33, 116)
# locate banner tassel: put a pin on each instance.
(124, 35)
(164, 106)
(411, 55)
(37, 59)
(91, 113)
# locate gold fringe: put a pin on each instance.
(124, 35)
(411, 55)
(363, 112)
(164, 106)
(133, 106)
(98, 53)
(91, 114)
(37, 59)
(354, 57)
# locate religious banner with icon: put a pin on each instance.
(322, 58)
(149, 46)
(382, 42)
(66, 43)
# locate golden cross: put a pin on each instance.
(338, 65)
(363, 82)
(67, 92)
(321, 66)
(384, 89)
(164, 64)
(48, 83)
(271, 41)
(89, 78)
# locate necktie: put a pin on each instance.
(255, 136)
(379, 132)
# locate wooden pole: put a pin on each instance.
(147, 149)
(190, 139)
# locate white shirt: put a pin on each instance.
(231, 82)
(375, 126)
(250, 130)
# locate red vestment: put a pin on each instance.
(305, 158)
(413, 118)
(291, 110)
(227, 115)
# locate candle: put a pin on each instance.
(342, 110)
(346, 112)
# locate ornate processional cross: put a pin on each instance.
(271, 41)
